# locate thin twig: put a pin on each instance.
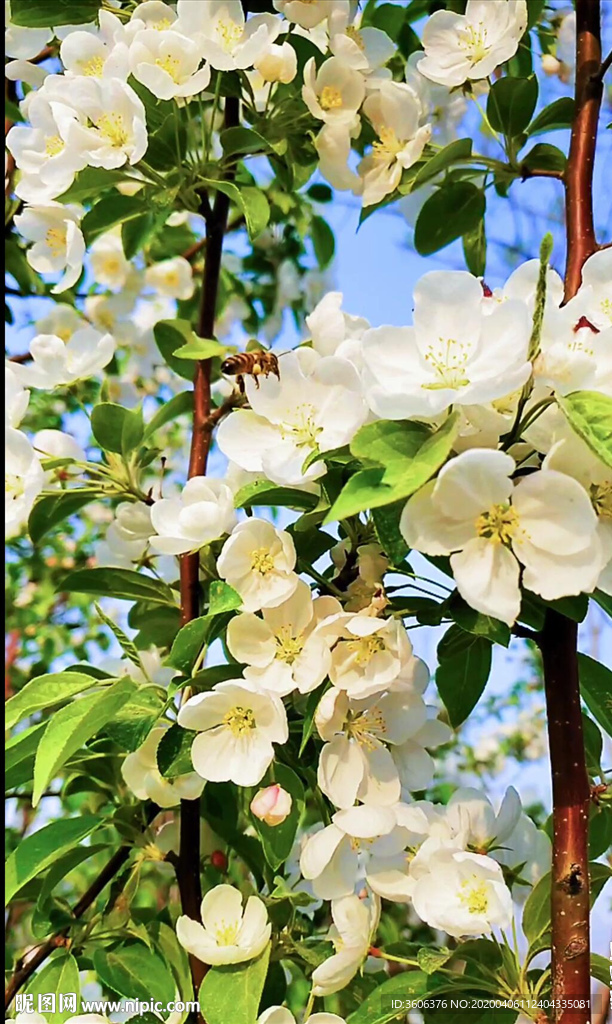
(604, 67)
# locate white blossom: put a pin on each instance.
(457, 352)
(109, 266)
(23, 42)
(16, 398)
(271, 805)
(258, 561)
(307, 411)
(55, 363)
(283, 650)
(107, 126)
(394, 113)
(23, 480)
(354, 923)
(371, 654)
(334, 332)
(309, 13)
(62, 320)
(228, 934)
(280, 1014)
(168, 63)
(365, 49)
(141, 774)
(99, 53)
(203, 512)
(225, 39)
(58, 241)
(278, 64)
(464, 47)
(172, 278)
(334, 92)
(237, 726)
(545, 523)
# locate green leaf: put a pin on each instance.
(600, 830)
(378, 1007)
(430, 960)
(589, 413)
(214, 674)
(90, 182)
(173, 954)
(41, 849)
(63, 866)
(117, 429)
(475, 250)
(130, 726)
(453, 210)
(128, 647)
(559, 114)
(59, 976)
(110, 211)
(403, 475)
(177, 406)
(134, 972)
(386, 523)
(53, 509)
(544, 157)
(233, 993)
(262, 492)
(189, 642)
(593, 745)
(461, 677)
(169, 336)
(323, 241)
(174, 752)
(43, 13)
(72, 726)
(20, 751)
(44, 692)
(600, 970)
(250, 201)
(222, 598)
(474, 622)
(596, 690)
(511, 104)
(278, 840)
(454, 153)
(242, 140)
(200, 348)
(122, 584)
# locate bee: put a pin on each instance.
(253, 364)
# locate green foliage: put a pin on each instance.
(511, 103)
(589, 413)
(454, 152)
(171, 335)
(174, 752)
(44, 692)
(454, 210)
(277, 841)
(40, 850)
(134, 972)
(251, 202)
(234, 992)
(42, 13)
(117, 429)
(125, 584)
(60, 976)
(596, 690)
(110, 211)
(559, 114)
(463, 672)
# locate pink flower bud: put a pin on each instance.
(271, 805)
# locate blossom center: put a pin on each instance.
(330, 98)
(448, 360)
(226, 934)
(388, 145)
(474, 896)
(364, 727)
(239, 720)
(366, 647)
(498, 524)
(53, 145)
(170, 65)
(14, 485)
(304, 430)
(262, 561)
(112, 126)
(288, 647)
(601, 495)
(354, 34)
(473, 39)
(93, 67)
(229, 33)
(56, 240)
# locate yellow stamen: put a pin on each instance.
(239, 720)
(388, 144)
(366, 647)
(93, 67)
(53, 145)
(288, 647)
(330, 98)
(262, 561)
(56, 240)
(226, 934)
(113, 127)
(474, 896)
(498, 524)
(170, 65)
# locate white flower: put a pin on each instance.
(471, 812)
(278, 64)
(394, 113)
(23, 42)
(374, 747)
(575, 351)
(303, 413)
(566, 43)
(457, 351)
(464, 47)
(23, 480)
(527, 850)
(371, 654)
(280, 1014)
(168, 63)
(172, 278)
(25, 71)
(97, 54)
(441, 107)
(334, 92)
(272, 805)
(363, 49)
(355, 922)
(108, 263)
(228, 934)
(55, 363)
(459, 893)
(16, 398)
(237, 726)
(333, 332)
(62, 320)
(151, 14)
(111, 129)
(58, 241)
(389, 876)
(149, 672)
(546, 523)
(223, 37)
(335, 857)
(55, 444)
(258, 561)
(308, 13)
(203, 512)
(333, 146)
(141, 774)
(284, 650)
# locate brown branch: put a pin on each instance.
(603, 68)
(23, 357)
(188, 866)
(24, 970)
(535, 172)
(581, 241)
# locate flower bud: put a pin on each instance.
(550, 64)
(218, 860)
(271, 805)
